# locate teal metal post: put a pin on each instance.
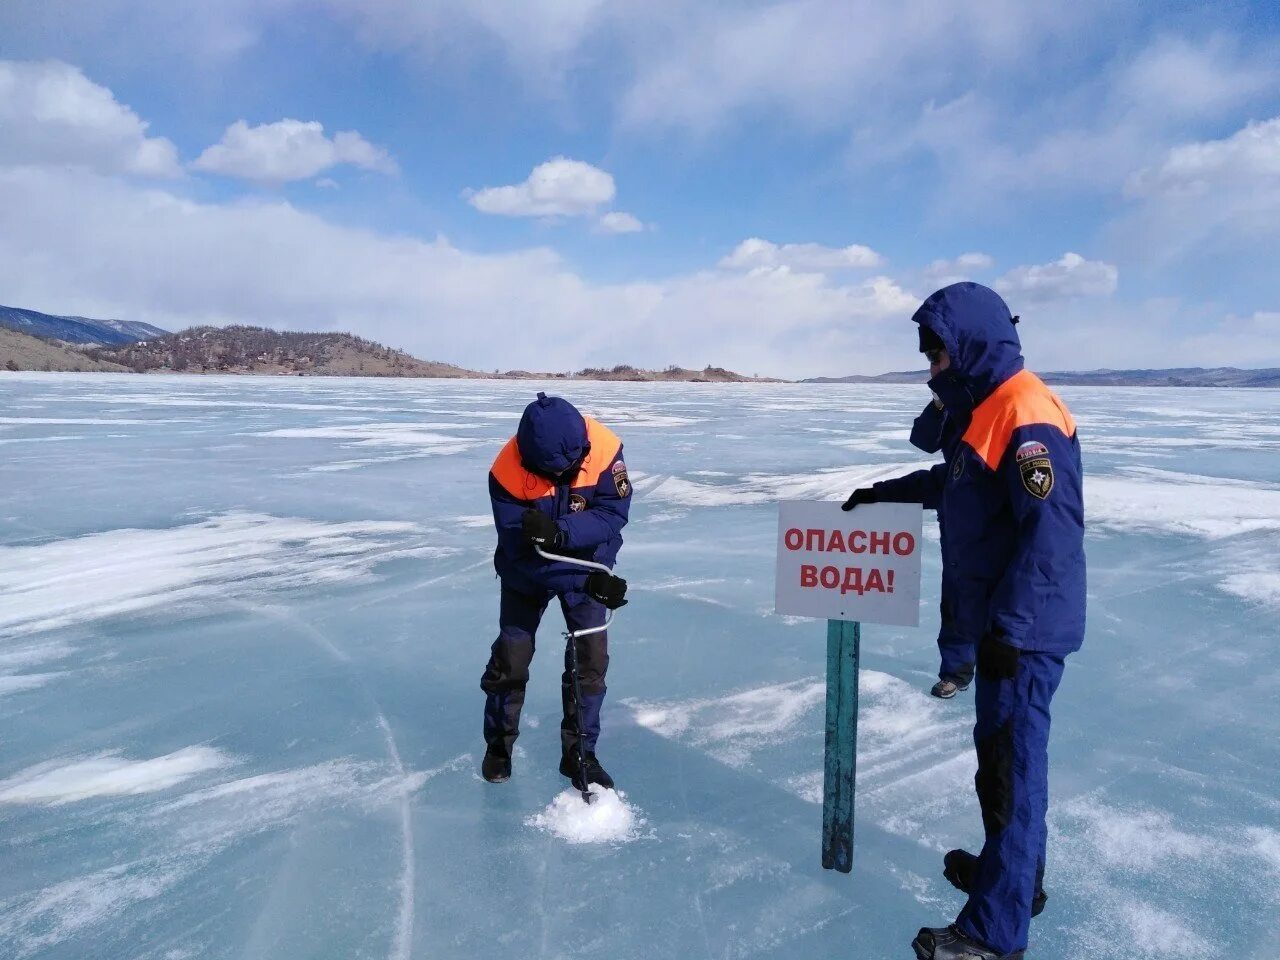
(841, 756)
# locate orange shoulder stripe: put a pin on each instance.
(605, 445)
(510, 473)
(1021, 400)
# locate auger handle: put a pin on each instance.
(589, 565)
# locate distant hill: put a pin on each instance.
(908, 376)
(77, 330)
(21, 351)
(261, 351)
(1175, 377)
(142, 348)
(627, 373)
(256, 350)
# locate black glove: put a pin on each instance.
(861, 495)
(608, 589)
(540, 529)
(997, 658)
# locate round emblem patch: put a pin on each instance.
(577, 503)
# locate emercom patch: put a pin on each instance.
(577, 503)
(620, 481)
(1036, 468)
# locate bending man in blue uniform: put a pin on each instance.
(1015, 553)
(935, 429)
(560, 484)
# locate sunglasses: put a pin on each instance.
(934, 357)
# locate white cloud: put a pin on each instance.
(826, 61)
(1086, 334)
(964, 267)
(1072, 276)
(983, 157)
(51, 113)
(618, 222)
(973, 261)
(96, 246)
(1252, 341)
(1249, 160)
(540, 39)
(160, 36)
(558, 188)
(1208, 205)
(288, 150)
(677, 63)
(1080, 134)
(83, 244)
(1174, 78)
(755, 253)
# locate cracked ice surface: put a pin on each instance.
(242, 623)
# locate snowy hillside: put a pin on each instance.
(78, 330)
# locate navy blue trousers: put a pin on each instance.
(956, 653)
(1015, 689)
(507, 673)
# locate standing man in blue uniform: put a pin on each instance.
(935, 429)
(560, 484)
(1015, 552)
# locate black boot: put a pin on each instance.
(496, 766)
(595, 773)
(948, 943)
(958, 867)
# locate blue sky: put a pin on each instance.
(770, 186)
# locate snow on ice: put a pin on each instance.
(608, 818)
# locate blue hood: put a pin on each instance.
(978, 330)
(552, 436)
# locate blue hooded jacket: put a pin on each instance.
(571, 468)
(932, 431)
(1013, 488)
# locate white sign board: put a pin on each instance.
(861, 565)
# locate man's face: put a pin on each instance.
(938, 361)
(567, 475)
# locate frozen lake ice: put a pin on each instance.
(243, 621)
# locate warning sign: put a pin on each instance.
(861, 565)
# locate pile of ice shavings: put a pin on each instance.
(607, 819)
